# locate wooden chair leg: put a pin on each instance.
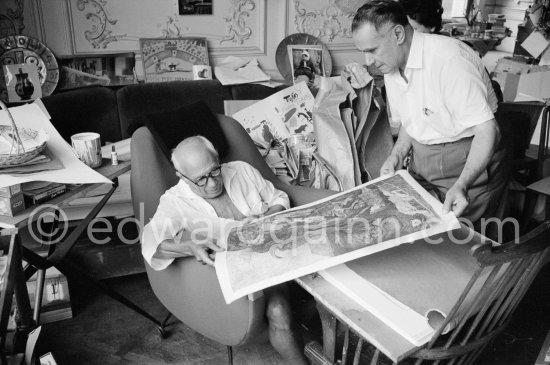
(314, 352)
(230, 355)
(328, 322)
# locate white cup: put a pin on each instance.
(87, 147)
(202, 72)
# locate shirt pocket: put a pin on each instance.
(437, 120)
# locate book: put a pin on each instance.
(38, 195)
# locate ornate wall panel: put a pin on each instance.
(11, 17)
(328, 20)
(107, 26)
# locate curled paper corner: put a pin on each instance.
(436, 318)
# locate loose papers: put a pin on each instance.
(73, 171)
(380, 214)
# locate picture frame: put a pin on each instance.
(113, 70)
(22, 82)
(306, 63)
(194, 7)
(172, 59)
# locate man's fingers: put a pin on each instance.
(459, 207)
(204, 258)
(387, 169)
(214, 247)
(447, 205)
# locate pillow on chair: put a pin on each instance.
(170, 127)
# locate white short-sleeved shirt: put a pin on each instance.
(448, 90)
(181, 209)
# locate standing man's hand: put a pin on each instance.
(390, 165)
(357, 75)
(456, 200)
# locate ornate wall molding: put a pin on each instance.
(238, 31)
(330, 22)
(12, 22)
(99, 35)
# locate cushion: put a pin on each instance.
(154, 97)
(88, 109)
(171, 127)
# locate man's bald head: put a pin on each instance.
(193, 153)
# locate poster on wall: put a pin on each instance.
(172, 59)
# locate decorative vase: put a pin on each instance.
(24, 87)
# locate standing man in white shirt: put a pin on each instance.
(439, 92)
(192, 216)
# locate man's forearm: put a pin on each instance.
(274, 209)
(402, 145)
(486, 138)
(170, 249)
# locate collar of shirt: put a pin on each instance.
(415, 52)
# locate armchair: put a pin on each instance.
(189, 290)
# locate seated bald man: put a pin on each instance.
(191, 216)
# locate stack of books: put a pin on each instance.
(38, 192)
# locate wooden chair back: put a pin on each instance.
(504, 275)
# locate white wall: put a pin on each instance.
(245, 28)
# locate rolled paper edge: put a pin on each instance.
(435, 319)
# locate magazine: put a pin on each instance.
(272, 121)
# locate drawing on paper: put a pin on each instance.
(275, 118)
(172, 59)
(381, 214)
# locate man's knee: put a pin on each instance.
(278, 311)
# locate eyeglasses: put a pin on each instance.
(203, 180)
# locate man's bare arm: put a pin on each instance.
(399, 152)
(486, 138)
(185, 246)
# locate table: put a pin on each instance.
(336, 309)
(16, 275)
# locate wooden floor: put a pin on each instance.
(105, 332)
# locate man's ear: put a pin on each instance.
(399, 34)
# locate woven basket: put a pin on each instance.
(19, 154)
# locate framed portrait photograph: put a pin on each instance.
(172, 59)
(306, 62)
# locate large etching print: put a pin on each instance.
(383, 213)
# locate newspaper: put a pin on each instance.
(375, 216)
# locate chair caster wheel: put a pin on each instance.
(162, 332)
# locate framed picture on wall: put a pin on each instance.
(306, 62)
(172, 59)
(194, 7)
